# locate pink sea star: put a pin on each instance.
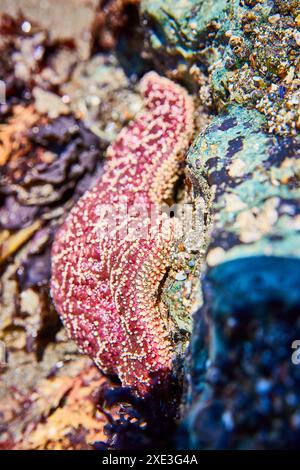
(105, 285)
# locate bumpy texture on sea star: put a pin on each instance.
(105, 284)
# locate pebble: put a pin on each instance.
(181, 276)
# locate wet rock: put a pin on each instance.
(71, 20)
(102, 96)
(259, 66)
(241, 370)
(248, 52)
(186, 32)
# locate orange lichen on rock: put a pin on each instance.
(111, 254)
(13, 134)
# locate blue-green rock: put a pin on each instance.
(243, 388)
(185, 31)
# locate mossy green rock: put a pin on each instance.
(252, 182)
(185, 30)
(240, 371)
(249, 52)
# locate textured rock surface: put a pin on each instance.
(249, 51)
(185, 32)
(102, 95)
(251, 180)
(68, 20)
(260, 64)
(244, 389)
(61, 113)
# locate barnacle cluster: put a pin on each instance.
(122, 118)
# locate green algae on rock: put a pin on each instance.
(185, 33)
(253, 179)
(248, 51)
(244, 389)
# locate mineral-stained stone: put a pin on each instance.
(251, 179)
(249, 50)
(64, 21)
(259, 66)
(244, 387)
